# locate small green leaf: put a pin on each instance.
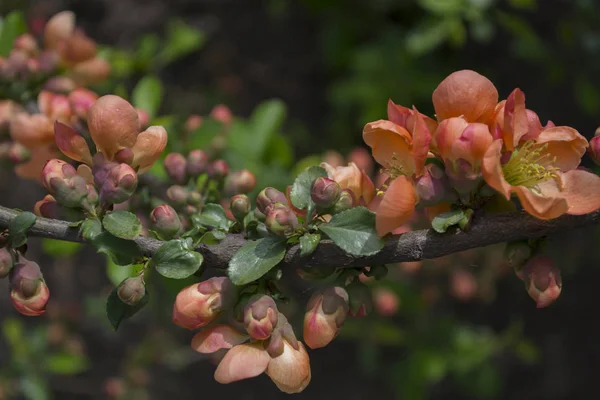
(213, 237)
(265, 122)
(118, 311)
(300, 194)
(255, 259)
(181, 40)
(147, 95)
(205, 133)
(121, 251)
(118, 273)
(12, 26)
(59, 248)
(65, 363)
(354, 231)
(90, 228)
(308, 243)
(122, 224)
(176, 259)
(213, 215)
(442, 222)
(18, 227)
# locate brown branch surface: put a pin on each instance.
(410, 246)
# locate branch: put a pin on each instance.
(411, 246)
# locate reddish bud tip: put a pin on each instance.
(267, 198)
(240, 182)
(325, 192)
(218, 169)
(281, 220)
(165, 221)
(176, 167)
(260, 316)
(542, 280)
(197, 162)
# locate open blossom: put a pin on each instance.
(353, 178)
(540, 165)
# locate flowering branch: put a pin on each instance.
(410, 246)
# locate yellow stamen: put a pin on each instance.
(528, 166)
(395, 168)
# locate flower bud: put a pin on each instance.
(325, 192)
(31, 130)
(281, 220)
(197, 162)
(222, 113)
(199, 304)
(47, 207)
(27, 43)
(6, 262)
(386, 301)
(143, 117)
(218, 169)
(240, 206)
(62, 181)
(260, 316)
(542, 280)
(240, 182)
(132, 290)
(28, 291)
(176, 168)
(177, 195)
(90, 72)
(361, 300)
(594, 149)
(193, 122)
(267, 198)
(517, 254)
(18, 154)
(59, 84)
(362, 158)
(119, 185)
(325, 315)
(433, 186)
(81, 100)
(165, 221)
(345, 202)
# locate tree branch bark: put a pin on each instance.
(411, 246)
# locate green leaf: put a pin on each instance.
(300, 194)
(65, 363)
(176, 259)
(265, 122)
(354, 231)
(202, 137)
(59, 248)
(214, 216)
(213, 237)
(308, 243)
(147, 95)
(18, 227)
(90, 228)
(181, 40)
(117, 311)
(12, 26)
(122, 224)
(118, 273)
(442, 222)
(255, 259)
(121, 251)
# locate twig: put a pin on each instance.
(410, 246)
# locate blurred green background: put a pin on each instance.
(303, 77)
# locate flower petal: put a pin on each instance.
(31, 130)
(397, 205)
(86, 173)
(39, 157)
(389, 142)
(241, 362)
(420, 142)
(565, 144)
(465, 93)
(59, 28)
(516, 123)
(491, 169)
(472, 144)
(216, 338)
(368, 188)
(290, 371)
(581, 189)
(148, 147)
(71, 143)
(547, 203)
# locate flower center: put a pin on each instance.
(529, 166)
(396, 168)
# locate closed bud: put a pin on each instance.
(517, 254)
(176, 168)
(361, 299)
(463, 176)
(47, 207)
(193, 122)
(218, 169)
(542, 280)
(177, 195)
(325, 314)
(59, 84)
(81, 100)
(240, 182)
(132, 290)
(18, 154)
(27, 43)
(62, 181)
(6, 262)
(594, 149)
(260, 316)
(119, 185)
(325, 192)
(222, 113)
(433, 186)
(200, 304)
(281, 220)
(28, 291)
(165, 221)
(240, 206)
(346, 201)
(197, 162)
(267, 198)
(90, 72)
(143, 117)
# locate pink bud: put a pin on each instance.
(165, 221)
(218, 169)
(542, 280)
(62, 181)
(60, 84)
(81, 101)
(27, 43)
(199, 304)
(463, 285)
(362, 158)
(325, 192)
(176, 167)
(197, 162)
(433, 187)
(193, 122)
(29, 293)
(267, 198)
(260, 316)
(144, 118)
(18, 154)
(240, 182)
(119, 185)
(325, 314)
(290, 371)
(386, 301)
(594, 149)
(178, 195)
(222, 113)
(47, 207)
(281, 220)
(90, 72)
(6, 262)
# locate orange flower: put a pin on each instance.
(353, 178)
(541, 170)
(465, 94)
(402, 151)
